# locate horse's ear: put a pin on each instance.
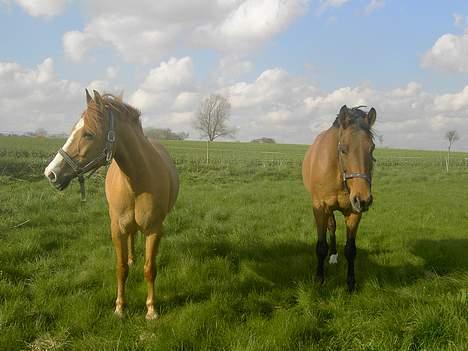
(97, 97)
(88, 97)
(371, 116)
(343, 116)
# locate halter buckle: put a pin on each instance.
(111, 136)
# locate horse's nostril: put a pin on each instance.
(356, 202)
(52, 177)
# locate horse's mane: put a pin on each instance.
(132, 113)
(356, 120)
(126, 111)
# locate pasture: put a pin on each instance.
(237, 262)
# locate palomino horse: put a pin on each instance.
(337, 171)
(141, 184)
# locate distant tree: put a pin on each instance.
(41, 132)
(264, 140)
(212, 119)
(380, 138)
(452, 136)
(165, 134)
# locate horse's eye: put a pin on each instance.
(88, 136)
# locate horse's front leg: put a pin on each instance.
(332, 230)
(321, 250)
(153, 239)
(352, 223)
(131, 248)
(120, 241)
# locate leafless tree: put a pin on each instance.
(452, 136)
(41, 132)
(380, 138)
(212, 119)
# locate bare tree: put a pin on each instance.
(380, 138)
(452, 136)
(41, 132)
(212, 119)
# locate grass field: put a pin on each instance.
(236, 266)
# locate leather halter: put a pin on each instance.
(346, 176)
(102, 159)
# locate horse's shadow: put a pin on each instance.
(442, 256)
(269, 266)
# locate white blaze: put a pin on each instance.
(58, 158)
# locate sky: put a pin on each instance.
(286, 66)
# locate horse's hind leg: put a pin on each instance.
(153, 239)
(321, 219)
(332, 229)
(352, 223)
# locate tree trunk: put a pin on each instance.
(447, 163)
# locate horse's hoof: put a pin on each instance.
(119, 312)
(333, 259)
(131, 261)
(319, 280)
(351, 286)
(151, 315)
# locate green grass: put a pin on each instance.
(237, 262)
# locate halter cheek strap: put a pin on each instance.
(103, 159)
(346, 176)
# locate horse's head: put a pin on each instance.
(355, 148)
(89, 146)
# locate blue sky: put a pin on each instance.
(287, 70)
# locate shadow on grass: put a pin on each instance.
(442, 256)
(281, 266)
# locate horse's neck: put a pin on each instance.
(331, 151)
(131, 147)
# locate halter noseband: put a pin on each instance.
(106, 155)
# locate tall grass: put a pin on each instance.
(236, 265)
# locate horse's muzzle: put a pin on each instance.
(359, 205)
(58, 182)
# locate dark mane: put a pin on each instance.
(357, 120)
(126, 110)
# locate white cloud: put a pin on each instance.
(147, 31)
(326, 4)
(33, 98)
(373, 5)
(168, 96)
(449, 53)
(459, 20)
(231, 69)
(76, 44)
(112, 72)
(452, 102)
(43, 8)
(275, 104)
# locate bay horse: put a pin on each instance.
(337, 171)
(141, 183)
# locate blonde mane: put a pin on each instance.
(125, 110)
